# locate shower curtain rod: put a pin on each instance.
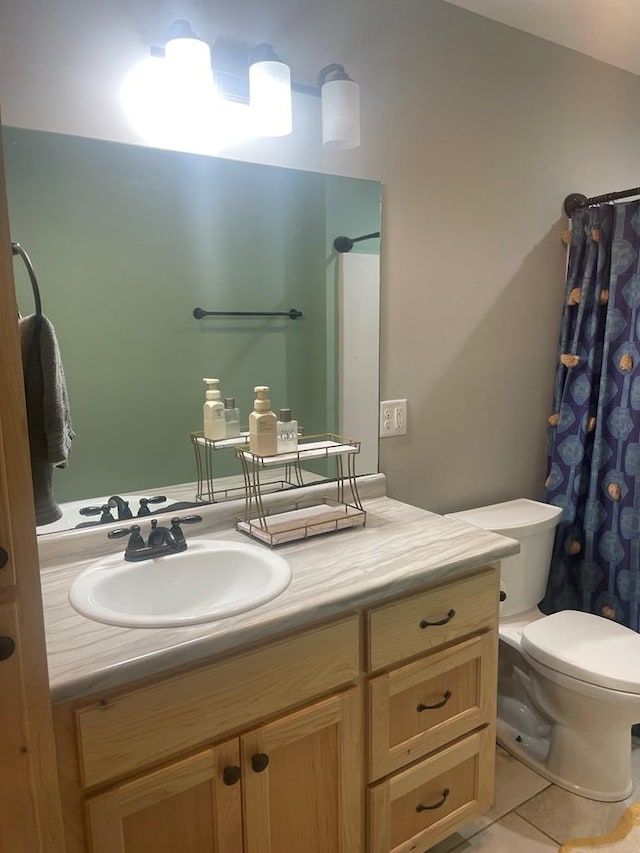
(576, 201)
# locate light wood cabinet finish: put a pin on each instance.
(440, 708)
(30, 814)
(184, 807)
(139, 727)
(419, 707)
(416, 808)
(309, 796)
(433, 618)
(297, 784)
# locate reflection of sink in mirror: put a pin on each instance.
(71, 516)
(210, 580)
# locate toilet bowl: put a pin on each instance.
(569, 683)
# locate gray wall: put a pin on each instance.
(477, 132)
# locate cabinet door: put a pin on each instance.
(191, 806)
(302, 780)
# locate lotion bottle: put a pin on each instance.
(213, 411)
(287, 432)
(262, 424)
(231, 418)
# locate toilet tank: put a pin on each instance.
(523, 578)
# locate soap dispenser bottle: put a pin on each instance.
(287, 431)
(262, 424)
(231, 418)
(213, 411)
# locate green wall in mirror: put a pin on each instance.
(126, 242)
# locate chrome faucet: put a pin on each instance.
(162, 540)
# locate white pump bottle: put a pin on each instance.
(213, 411)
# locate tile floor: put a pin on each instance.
(530, 815)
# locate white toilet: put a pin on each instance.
(569, 683)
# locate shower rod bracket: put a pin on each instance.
(344, 244)
(573, 202)
(292, 313)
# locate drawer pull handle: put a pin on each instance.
(438, 805)
(446, 697)
(4, 558)
(259, 762)
(231, 775)
(447, 618)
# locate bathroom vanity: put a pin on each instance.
(356, 711)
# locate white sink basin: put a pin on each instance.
(211, 580)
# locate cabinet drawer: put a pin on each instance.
(133, 730)
(418, 807)
(418, 708)
(433, 618)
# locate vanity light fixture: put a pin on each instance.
(340, 108)
(187, 54)
(265, 85)
(269, 92)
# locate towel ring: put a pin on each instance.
(16, 249)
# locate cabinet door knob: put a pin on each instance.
(445, 698)
(447, 618)
(231, 775)
(438, 805)
(7, 648)
(4, 558)
(259, 762)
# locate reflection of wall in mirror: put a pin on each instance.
(126, 242)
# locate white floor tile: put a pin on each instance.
(453, 842)
(515, 784)
(564, 816)
(511, 834)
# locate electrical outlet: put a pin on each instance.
(393, 418)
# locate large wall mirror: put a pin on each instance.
(126, 241)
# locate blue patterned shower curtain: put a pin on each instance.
(594, 445)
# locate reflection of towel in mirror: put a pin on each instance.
(50, 430)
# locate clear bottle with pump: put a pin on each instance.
(213, 411)
(287, 432)
(231, 418)
(262, 424)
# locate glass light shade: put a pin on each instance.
(189, 55)
(270, 98)
(341, 114)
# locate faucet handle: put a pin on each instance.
(105, 509)
(177, 521)
(90, 510)
(144, 504)
(136, 542)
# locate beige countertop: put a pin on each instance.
(401, 549)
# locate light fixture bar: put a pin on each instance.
(267, 87)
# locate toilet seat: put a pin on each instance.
(587, 647)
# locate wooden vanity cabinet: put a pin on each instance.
(259, 752)
(431, 749)
(264, 751)
(293, 778)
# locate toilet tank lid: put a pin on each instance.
(512, 518)
(586, 647)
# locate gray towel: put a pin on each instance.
(50, 430)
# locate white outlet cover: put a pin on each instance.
(393, 418)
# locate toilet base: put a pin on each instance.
(534, 751)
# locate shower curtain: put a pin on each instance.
(594, 428)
